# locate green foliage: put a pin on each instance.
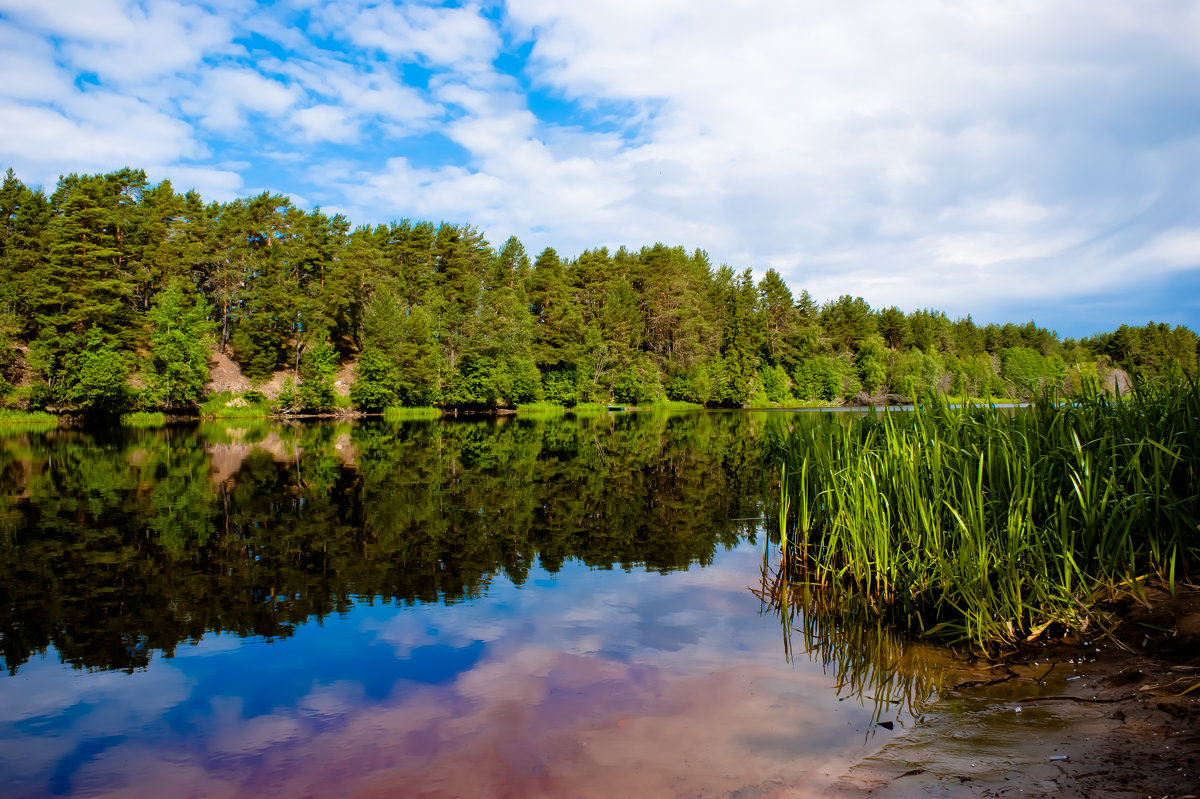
(437, 316)
(848, 321)
(560, 386)
(774, 381)
(223, 405)
(973, 376)
(181, 338)
(318, 365)
(95, 379)
(16, 421)
(872, 364)
(988, 525)
(824, 378)
(376, 381)
(1029, 372)
(694, 385)
(917, 374)
(638, 384)
(288, 400)
(397, 413)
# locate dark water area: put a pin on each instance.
(531, 606)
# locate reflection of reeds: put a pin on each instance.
(987, 524)
(873, 662)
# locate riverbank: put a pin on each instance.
(1116, 717)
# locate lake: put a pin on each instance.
(514, 606)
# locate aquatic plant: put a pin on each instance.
(19, 421)
(143, 419)
(991, 524)
(396, 412)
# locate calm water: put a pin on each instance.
(510, 607)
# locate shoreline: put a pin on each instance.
(1116, 717)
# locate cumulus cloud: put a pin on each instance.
(434, 35)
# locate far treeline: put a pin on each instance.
(114, 294)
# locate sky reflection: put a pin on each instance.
(582, 683)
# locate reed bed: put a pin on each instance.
(396, 413)
(12, 421)
(143, 419)
(988, 524)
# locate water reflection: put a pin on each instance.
(115, 545)
(872, 663)
(440, 609)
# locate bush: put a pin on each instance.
(318, 365)
(376, 383)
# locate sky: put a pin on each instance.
(1033, 159)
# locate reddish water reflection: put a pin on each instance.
(696, 699)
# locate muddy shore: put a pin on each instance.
(1111, 717)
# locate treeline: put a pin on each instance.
(115, 291)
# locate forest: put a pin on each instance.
(115, 294)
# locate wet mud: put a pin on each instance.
(1117, 717)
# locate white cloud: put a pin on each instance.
(100, 133)
(901, 152)
(28, 62)
(1175, 249)
(228, 93)
(445, 37)
(127, 42)
(325, 123)
(363, 92)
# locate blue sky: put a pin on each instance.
(1008, 160)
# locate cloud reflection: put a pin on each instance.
(597, 683)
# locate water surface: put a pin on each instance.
(550, 606)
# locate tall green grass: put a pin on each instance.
(143, 419)
(396, 413)
(12, 421)
(225, 405)
(991, 524)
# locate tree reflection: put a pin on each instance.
(117, 544)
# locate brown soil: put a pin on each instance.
(224, 374)
(1114, 717)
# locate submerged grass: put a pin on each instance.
(987, 524)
